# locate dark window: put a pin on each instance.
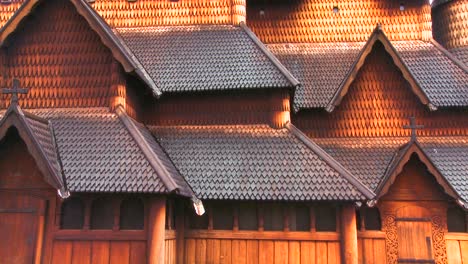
(299, 219)
(72, 214)
(325, 218)
(132, 214)
(456, 220)
(102, 214)
(248, 216)
(272, 217)
(372, 219)
(222, 216)
(197, 221)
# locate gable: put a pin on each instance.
(378, 103)
(415, 182)
(18, 169)
(57, 55)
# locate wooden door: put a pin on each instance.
(21, 228)
(414, 231)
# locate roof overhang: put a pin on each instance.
(378, 35)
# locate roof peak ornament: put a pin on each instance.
(14, 91)
(413, 127)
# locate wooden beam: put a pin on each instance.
(180, 231)
(349, 246)
(157, 230)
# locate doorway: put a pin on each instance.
(414, 230)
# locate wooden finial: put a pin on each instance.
(413, 127)
(15, 90)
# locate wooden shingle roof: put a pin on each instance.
(257, 162)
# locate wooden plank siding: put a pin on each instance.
(104, 252)
(371, 247)
(457, 248)
(261, 247)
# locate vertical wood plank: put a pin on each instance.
(252, 252)
(100, 252)
(308, 252)
(379, 251)
(200, 251)
(81, 252)
(281, 252)
(239, 251)
(190, 249)
(360, 251)
(266, 251)
(368, 250)
(138, 252)
(119, 252)
(464, 251)
(62, 252)
(333, 253)
(226, 252)
(453, 252)
(213, 250)
(321, 252)
(294, 252)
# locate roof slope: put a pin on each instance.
(443, 80)
(320, 67)
(253, 162)
(369, 158)
(202, 58)
(325, 69)
(99, 154)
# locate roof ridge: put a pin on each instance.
(369, 194)
(152, 158)
(449, 55)
(286, 73)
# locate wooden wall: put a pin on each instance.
(261, 247)
(371, 247)
(103, 252)
(457, 248)
(315, 21)
(246, 107)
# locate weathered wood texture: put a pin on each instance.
(450, 27)
(266, 106)
(255, 249)
(379, 105)
(371, 247)
(156, 230)
(316, 21)
(103, 252)
(64, 64)
(457, 248)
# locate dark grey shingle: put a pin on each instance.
(202, 58)
(251, 162)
